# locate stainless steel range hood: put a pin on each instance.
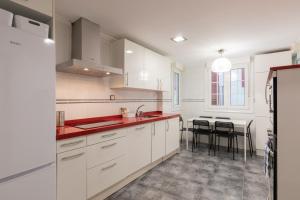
(86, 52)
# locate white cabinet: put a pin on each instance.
(106, 151)
(42, 6)
(143, 68)
(139, 147)
(71, 175)
(172, 135)
(70, 144)
(158, 140)
(262, 64)
(103, 176)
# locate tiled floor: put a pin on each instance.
(191, 176)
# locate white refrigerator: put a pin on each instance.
(27, 116)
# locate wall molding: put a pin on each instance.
(193, 100)
(89, 101)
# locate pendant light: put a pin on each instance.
(221, 64)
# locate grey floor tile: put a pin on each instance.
(198, 176)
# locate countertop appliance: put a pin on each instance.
(27, 104)
(98, 124)
(285, 99)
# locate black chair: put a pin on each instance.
(182, 128)
(249, 137)
(201, 127)
(225, 130)
(223, 118)
(208, 117)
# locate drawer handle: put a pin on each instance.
(110, 145)
(72, 157)
(108, 135)
(108, 167)
(71, 143)
(140, 128)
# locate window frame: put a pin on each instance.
(227, 107)
(176, 107)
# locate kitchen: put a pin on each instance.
(149, 106)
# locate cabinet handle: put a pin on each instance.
(110, 145)
(140, 128)
(160, 84)
(72, 157)
(168, 125)
(108, 135)
(126, 78)
(108, 167)
(71, 143)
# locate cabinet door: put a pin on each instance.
(134, 65)
(139, 148)
(262, 124)
(71, 175)
(172, 135)
(158, 140)
(42, 6)
(165, 74)
(261, 106)
(152, 62)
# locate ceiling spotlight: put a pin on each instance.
(107, 73)
(178, 39)
(86, 69)
(129, 51)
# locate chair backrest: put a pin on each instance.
(201, 124)
(223, 118)
(224, 126)
(180, 118)
(249, 125)
(209, 117)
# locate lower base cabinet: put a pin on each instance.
(71, 175)
(139, 147)
(85, 169)
(103, 176)
(172, 135)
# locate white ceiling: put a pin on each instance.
(241, 27)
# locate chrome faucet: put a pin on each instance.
(139, 113)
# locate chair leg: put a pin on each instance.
(181, 137)
(250, 144)
(232, 138)
(219, 143)
(209, 141)
(193, 141)
(215, 144)
(237, 144)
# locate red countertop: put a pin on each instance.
(70, 131)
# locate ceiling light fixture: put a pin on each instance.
(86, 69)
(178, 39)
(221, 64)
(129, 51)
(107, 73)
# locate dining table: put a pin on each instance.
(236, 122)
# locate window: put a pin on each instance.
(217, 89)
(237, 87)
(176, 88)
(229, 90)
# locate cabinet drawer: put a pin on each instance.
(71, 175)
(103, 176)
(70, 144)
(105, 136)
(105, 151)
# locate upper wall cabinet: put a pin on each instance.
(143, 68)
(42, 6)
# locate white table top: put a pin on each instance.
(213, 120)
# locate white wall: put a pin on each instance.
(193, 99)
(83, 96)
